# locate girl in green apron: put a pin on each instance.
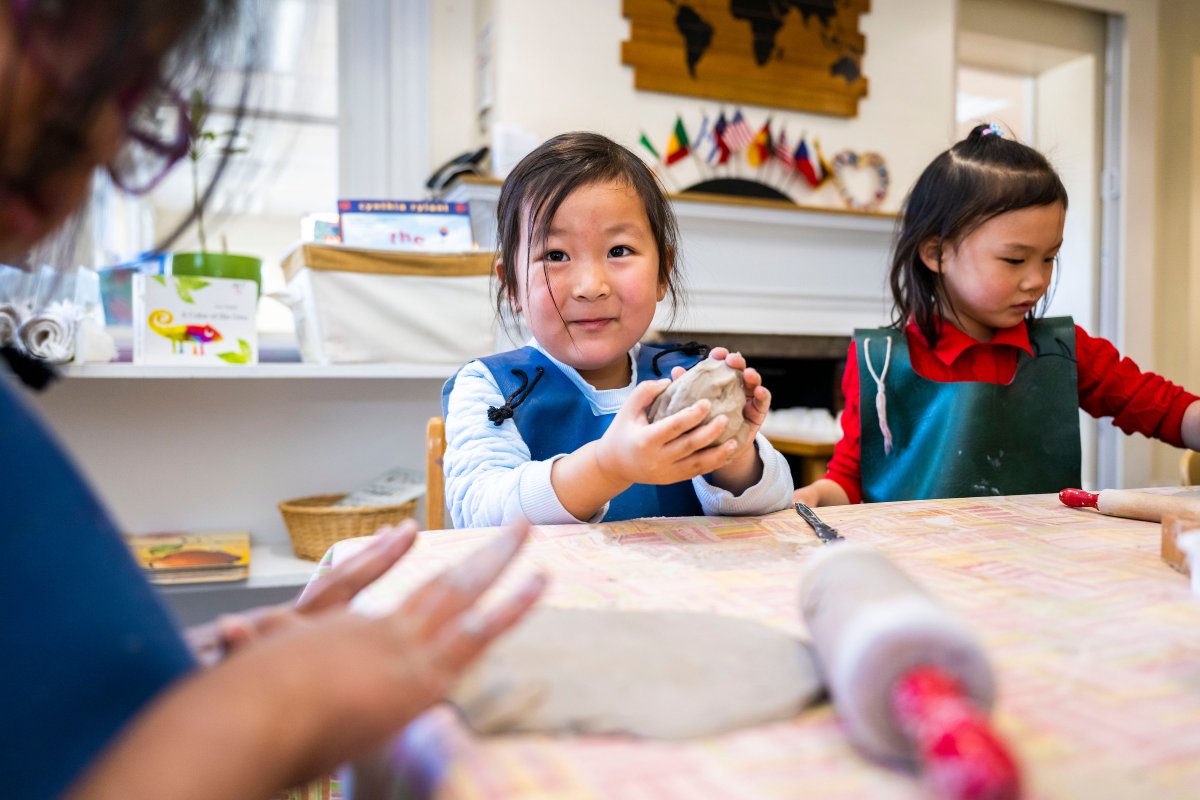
(972, 392)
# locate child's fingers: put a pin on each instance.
(665, 430)
(736, 360)
(456, 589)
(347, 579)
(696, 438)
(677, 373)
(751, 378)
(719, 353)
(757, 406)
(707, 459)
(465, 638)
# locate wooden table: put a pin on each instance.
(1095, 642)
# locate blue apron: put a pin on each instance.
(971, 438)
(552, 417)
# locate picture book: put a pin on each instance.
(420, 225)
(194, 320)
(181, 557)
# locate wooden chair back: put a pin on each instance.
(435, 481)
(1189, 468)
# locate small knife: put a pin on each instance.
(824, 531)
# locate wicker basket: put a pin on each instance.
(315, 523)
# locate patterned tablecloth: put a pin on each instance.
(1095, 641)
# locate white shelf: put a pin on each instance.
(271, 565)
(125, 371)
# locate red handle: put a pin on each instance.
(1079, 498)
(962, 757)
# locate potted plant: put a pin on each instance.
(202, 143)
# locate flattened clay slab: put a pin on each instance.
(712, 379)
(653, 674)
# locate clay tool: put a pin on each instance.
(909, 681)
(825, 532)
(1129, 504)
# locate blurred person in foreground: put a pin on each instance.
(102, 695)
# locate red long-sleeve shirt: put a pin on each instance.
(1109, 386)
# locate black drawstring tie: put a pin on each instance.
(687, 348)
(33, 372)
(497, 415)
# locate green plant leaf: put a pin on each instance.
(191, 282)
(241, 357)
(186, 284)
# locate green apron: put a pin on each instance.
(969, 438)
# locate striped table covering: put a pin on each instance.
(1095, 641)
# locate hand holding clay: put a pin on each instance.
(711, 380)
(678, 448)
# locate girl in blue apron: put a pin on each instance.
(972, 392)
(556, 431)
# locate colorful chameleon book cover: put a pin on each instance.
(193, 320)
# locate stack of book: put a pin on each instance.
(171, 558)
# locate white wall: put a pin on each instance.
(558, 68)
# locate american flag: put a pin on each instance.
(738, 135)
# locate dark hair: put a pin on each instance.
(545, 178)
(184, 42)
(981, 177)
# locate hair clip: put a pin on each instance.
(992, 129)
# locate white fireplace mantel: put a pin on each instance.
(755, 266)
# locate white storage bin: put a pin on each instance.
(369, 306)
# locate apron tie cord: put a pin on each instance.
(880, 395)
(497, 415)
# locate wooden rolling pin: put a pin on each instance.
(909, 681)
(1131, 505)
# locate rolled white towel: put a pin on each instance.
(11, 317)
(49, 335)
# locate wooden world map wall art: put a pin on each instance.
(798, 54)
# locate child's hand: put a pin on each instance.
(678, 448)
(745, 467)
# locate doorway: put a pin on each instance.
(1037, 69)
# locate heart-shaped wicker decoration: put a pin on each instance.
(848, 160)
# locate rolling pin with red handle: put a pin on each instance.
(909, 681)
(1131, 505)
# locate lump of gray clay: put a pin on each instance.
(712, 379)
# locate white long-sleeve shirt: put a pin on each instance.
(491, 479)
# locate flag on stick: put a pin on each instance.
(807, 165)
(760, 148)
(826, 170)
(678, 146)
(738, 135)
(719, 153)
(698, 142)
(646, 143)
(783, 151)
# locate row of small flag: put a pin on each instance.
(727, 138)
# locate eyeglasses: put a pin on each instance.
(63, 46)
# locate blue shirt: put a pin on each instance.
(87, 641)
